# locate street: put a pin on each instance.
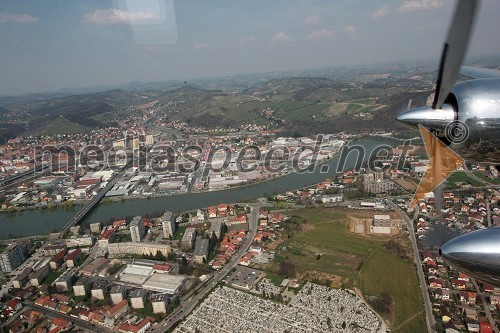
(429, 316)
(187, 306)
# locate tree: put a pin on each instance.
(159, 256)
(286, 269)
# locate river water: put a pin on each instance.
(34, 222)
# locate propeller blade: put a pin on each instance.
(454, 49)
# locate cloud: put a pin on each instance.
(420, 5)
(381, 12)
(281, 37)
(116, 16)
(323, 33)
(350, 29)
(312, 19)
(16, 18)
(199, 46)
(248, 39)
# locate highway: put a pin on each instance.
(429, 315)
(187, 306)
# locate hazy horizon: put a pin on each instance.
(56, 45)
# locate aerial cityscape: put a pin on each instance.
(185, 167)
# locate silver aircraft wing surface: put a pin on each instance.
(479, 72)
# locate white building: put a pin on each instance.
(381, 224)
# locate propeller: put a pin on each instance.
(454, 49)
(437, 116)
(440, 115)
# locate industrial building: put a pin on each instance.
(165, 283)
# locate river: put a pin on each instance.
(34, 222)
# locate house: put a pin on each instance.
(117, 310)
(468, 297)
(435, 282)
(212, 212)
(22, 278)
(58, 259)
(470, 313)
(38, 275)
(458, 284)
(472, 325)
(141, 327)
(14, 305)
(72, 257)
(485, 328)
(61, 323)
(245, 260)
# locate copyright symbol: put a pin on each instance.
(457, 132)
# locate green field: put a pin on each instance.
(359, 259)
(342, 252)
(306, 112)
(461, 176)
(51, 277)
(481, 175)
(60, 125)
(386, 272)
(179, 232)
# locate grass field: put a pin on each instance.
(306, 112)
(481, 175)
(360, 260)
(386, 272)
(326, 233)
(179, 232)
(51, 277)
(60, 125)
(461, 176)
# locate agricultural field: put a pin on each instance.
(59, 125)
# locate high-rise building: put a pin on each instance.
(136, 229)
(168, 224)
(13, 256)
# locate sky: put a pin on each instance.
(47, 45)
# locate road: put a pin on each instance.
(187, 306)
(77, 321)
(429, 316)
(89, 206)
(481, 297)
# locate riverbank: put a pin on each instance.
(110, 200)
(33, 222)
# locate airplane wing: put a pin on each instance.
(479, 73)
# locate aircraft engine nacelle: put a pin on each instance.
(469, 120)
